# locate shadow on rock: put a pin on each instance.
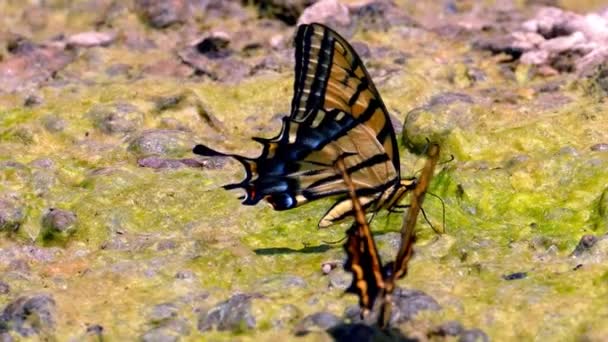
(287, 250)
(363, 333)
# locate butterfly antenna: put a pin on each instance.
(334, 242)
(451, 159)
(442, 210)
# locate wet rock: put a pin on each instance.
(43, 175)
(229, 69)
(407, 303)
(4, 288)
(287, 11)
(159, 335)
(12, 214)
(164, 245)
(5, 336)
(116, 118)
(233, 315)
(19, 265)
(473, 335)
(515, 276)
(340, 279)
(162, 13)
(451, 328)
(163, 103)
(280, 283)
(161, 143)
(31, 64)
(168, 68)
(43, 163)
(499, 44)
(286, 316)
(32, 101)
(59, 221)
(214, 46)
(53, 123)
(36, 17)
(91, 39)
(119, 69)
(435, 120)
(31, 315)
(163, 312)
(599, 80)
(185, 274)
(591, 250)
(319, 321)
(379, 15)
(329, 12)
(165, 163)
(557, 39)
(95, 331)
(584, 245)
(603, 147)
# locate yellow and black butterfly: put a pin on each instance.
(336, 111)
(371, 279)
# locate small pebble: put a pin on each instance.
(515, 276)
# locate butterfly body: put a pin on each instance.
(335, 111)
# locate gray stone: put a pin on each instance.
(473, 335)
(163, 312)
(435, 120)
(161, 143)
(12, 214)
(451, 328)
(340, 279)
(330, 12)
(5, 336)
(281, 283)
(116, 118)
(233, 315)
(59, 221)
(603, 147)
(4, 288)
(286, 315)
(31, 315)
(54, 123)
(380, 15)
(287, 11)
(584, 245)
(317, 321)
(159, 335)
(162, 13)
(91, 39)
(407, 303)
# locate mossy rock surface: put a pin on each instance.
(155, 249)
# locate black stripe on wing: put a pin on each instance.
(330, 75)
(270, 176)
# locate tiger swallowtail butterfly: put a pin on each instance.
(371, 279)
(335, 111)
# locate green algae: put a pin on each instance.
(496, 204)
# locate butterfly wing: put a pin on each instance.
(335, 109)
(363, 260)
(330, 75)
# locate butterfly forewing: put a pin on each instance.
(330, 75)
